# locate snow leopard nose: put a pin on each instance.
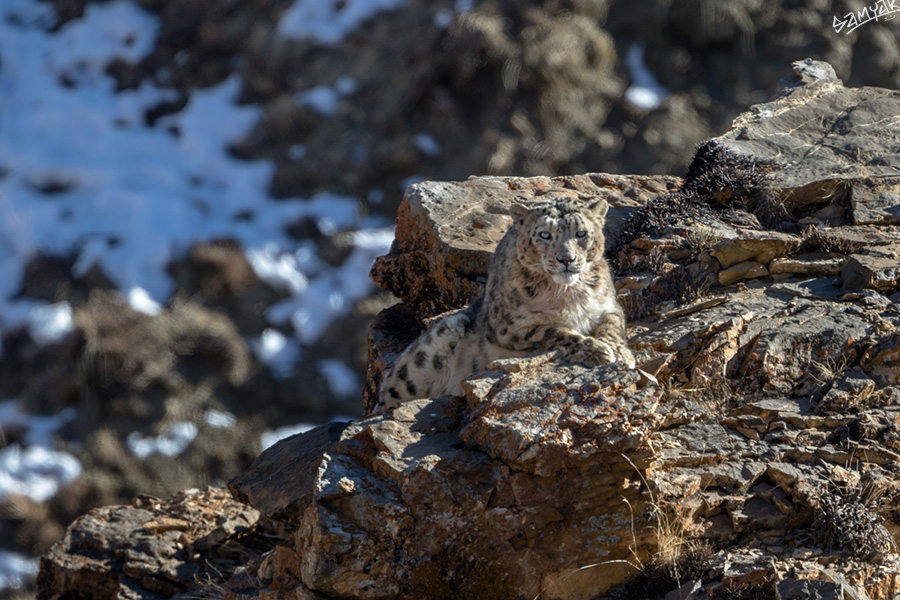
(566, 261)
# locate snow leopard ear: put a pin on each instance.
(519, 212)
(598, 208)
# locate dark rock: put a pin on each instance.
(218, 275)
(807, 589)
(876, 272)
(293, 463)
(390, 332)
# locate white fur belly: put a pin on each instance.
(580, 310)
(583, 316)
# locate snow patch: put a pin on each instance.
(427, 144)
(39, 429)
(334, 291)
(342, 380)
(127, 197)
(31, 467)
(282, 270)
(269, 438)
(220, 419)
(17, 570)
(50, 324)
(330, 22)
(175, 440)
(324, 99)
(277, 351)
(35, 472)
(645, 91)
(117, 29)
(140, 300)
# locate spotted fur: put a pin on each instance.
(548, 288)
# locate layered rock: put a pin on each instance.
(760, 433)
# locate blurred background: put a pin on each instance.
(192, 193)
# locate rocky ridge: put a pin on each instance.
(755, 452)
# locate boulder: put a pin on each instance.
(443, 501)
(446, 231)
(829, 143)
(151, 549)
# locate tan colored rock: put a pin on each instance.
(533, 492)
(721, 344)
(745, 270)
(758, 246)
(589, 415)
(882, 361)
(847, 391)
(446, 232)
(809, 265)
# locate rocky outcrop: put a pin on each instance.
(756, 449)
(153, 549)
(446, 233)
(525, 88)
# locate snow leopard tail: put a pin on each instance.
(433, 364)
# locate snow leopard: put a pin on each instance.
(549, 287)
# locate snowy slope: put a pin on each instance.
(82, 174)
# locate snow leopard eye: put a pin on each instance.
(544, 235)
(581, 233)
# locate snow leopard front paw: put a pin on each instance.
(592, 353)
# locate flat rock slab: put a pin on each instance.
(827, 139)
(281, 481)
(758, 246)
(876, 200)
(861, 271)
(447, 231)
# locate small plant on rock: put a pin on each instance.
(817, 239)
(847, 518)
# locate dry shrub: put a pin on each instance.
(680, 285)
(847, 518)
(815, 239)
(667, 570)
